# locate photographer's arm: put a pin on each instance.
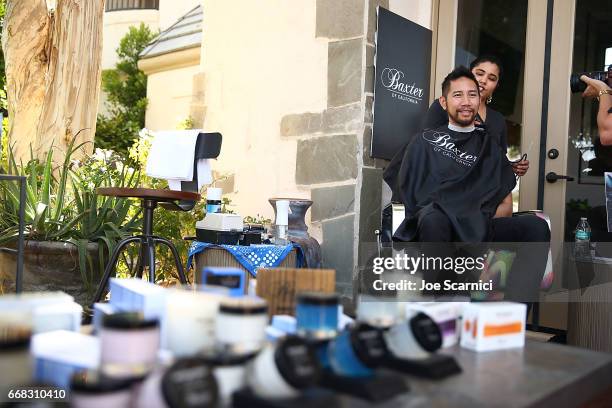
(604, 119)
(504, 209)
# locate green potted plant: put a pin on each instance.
(70, 231)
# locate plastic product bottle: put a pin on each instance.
(582, 239)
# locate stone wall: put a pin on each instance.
(333, 147)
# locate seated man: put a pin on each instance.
(456, 186)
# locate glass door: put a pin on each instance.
(498, 28)
(514, 32)
(580, 40)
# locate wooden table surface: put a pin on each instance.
(539, 375)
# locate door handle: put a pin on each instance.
(552, 177)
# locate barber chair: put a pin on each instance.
(208, 146)
(393, 215)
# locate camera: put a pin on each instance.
(576, 85)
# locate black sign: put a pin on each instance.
(401, 91)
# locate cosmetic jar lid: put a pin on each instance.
(14, 338)
(128, 321)
(189, 382)
(426, 332)
(95, 382)
(318, 298)
(244, 306)
(296, 362)
(225, 359)
(214, 193)
(368, 343)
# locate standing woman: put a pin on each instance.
(488, 70)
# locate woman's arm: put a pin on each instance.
(604, 118)
(504, 209)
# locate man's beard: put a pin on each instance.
(462, 122)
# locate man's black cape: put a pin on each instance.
(421, 180)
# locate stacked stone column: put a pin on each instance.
(333, 158)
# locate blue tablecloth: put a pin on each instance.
(252, 256)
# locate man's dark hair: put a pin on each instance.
(488, 58)
(459, 72)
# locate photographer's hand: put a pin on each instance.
(593, 88)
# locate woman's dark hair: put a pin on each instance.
(488, 58)
(459, 72)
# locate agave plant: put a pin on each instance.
(62, 205)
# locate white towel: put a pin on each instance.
(171, 158)
(204, 176)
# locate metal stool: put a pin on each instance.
(150, 198)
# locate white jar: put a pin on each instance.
(189, 323)
(149, 394)
(128, 344)
(282, 369)
(379, 311)
(240, 327)
(230, 373)
(415, 338)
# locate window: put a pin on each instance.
(608, 58)
(114, 5)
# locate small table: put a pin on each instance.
(219, 255)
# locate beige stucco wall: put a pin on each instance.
(170, 94)
(264, 65)
(418, 11)
(117, 24)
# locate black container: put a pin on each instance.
(250, 238)
(218, 237)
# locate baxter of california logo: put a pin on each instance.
(392, 80)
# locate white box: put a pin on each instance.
(221, 222)
(47, 310)
(493, 325)
(137, 295)
(445, 314)
(60, 316)
(101, 310)
(285, 323)
(59, 354)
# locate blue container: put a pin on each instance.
(356, 351)
(317, 315)
(234, 279)
(321, 351)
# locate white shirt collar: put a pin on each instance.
(460, 129)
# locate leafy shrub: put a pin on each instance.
(62, 205)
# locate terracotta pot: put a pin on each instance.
(51, 266)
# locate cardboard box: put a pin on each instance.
(280, 286)
(493, 325)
